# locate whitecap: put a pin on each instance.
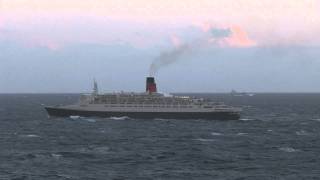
(75, 117)
(316, 119)
(159, 119)
(216, 134)
(241, 134)
(56, 155)
(90, 120)
(119, 118)
(247, 119)
(270, 130)
(30, 136)
(204, 140)
(302, 133)
(288, 149)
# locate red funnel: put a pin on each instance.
(151, 86)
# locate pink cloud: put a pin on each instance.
(259, 17)
(239, 38)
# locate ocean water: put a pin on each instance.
(278, 137)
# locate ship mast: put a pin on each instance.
(95, 88)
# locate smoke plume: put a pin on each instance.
(169, 57)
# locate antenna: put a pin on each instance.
(95, 87)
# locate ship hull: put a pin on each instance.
(61, 112)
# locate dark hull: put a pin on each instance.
(60, 112)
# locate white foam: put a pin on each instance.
(316, 119)
(56, 155)
(75, 117)
(288, 149)
(91, 120)
(247, 119)
(241, 134)
(216, 134)
(119, 118)
(302, 133)
(159, 119)
(30, 136)
(204, 140)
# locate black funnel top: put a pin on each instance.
(150, 80)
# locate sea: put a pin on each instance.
(277, 137)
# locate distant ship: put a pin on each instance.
(145, 105)
(235, 93)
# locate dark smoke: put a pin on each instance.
(169, 57)
(220, 33)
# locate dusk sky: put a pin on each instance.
(195, 45)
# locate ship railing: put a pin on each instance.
(230, 109)
(182, 106)
(219, 108)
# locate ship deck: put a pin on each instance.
(146, 108)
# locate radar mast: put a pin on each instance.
(95, 88)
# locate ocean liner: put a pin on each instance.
(146, 105)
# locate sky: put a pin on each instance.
(189, 46)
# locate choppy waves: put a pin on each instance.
(282, 144)
(288, 149)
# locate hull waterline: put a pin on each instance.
(61, 112)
